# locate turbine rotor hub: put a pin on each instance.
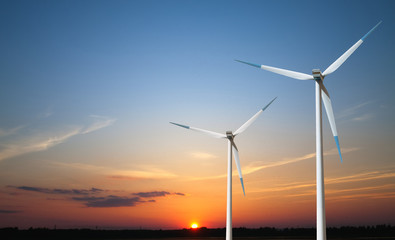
(229, 135)
(317, 75)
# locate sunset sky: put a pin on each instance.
(88, 89)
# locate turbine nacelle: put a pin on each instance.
(230, 135)
(317, 75)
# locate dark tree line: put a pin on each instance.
(370, 232)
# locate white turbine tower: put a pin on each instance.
(320, 91)
(231, 146)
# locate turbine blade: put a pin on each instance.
(331, 117)
(336, 64)
(237, 160)
(288, 73)
(210, 133)
(251, 120)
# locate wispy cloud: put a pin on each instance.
(2, 211)
(143, 172)
(202, 155)
(390, 195)
(257, 166)
(308, 188)
(34, 143)
(156, 194)
(82, 166)
(363, 117)
(355, 113)
(93, 197)
(364, 189)
(111, 201)
(152, 194)
(359, 177)
(99, 123)
(47, 113)
(11, 131)
(251, 169)
(59, 191)
(123, 201)
(363, 177)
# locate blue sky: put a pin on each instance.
(95, 83)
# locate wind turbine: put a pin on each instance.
(320, 91)
(231, 146)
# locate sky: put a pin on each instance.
(89, 88)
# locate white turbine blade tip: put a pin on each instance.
(180, 125)
(252, 119)
(336, 64)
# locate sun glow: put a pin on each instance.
(194, 225)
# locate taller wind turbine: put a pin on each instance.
(231, 146)
(320, 91)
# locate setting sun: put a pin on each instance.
(194, 225)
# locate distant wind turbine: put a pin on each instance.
(320, 91)
(231, 146)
